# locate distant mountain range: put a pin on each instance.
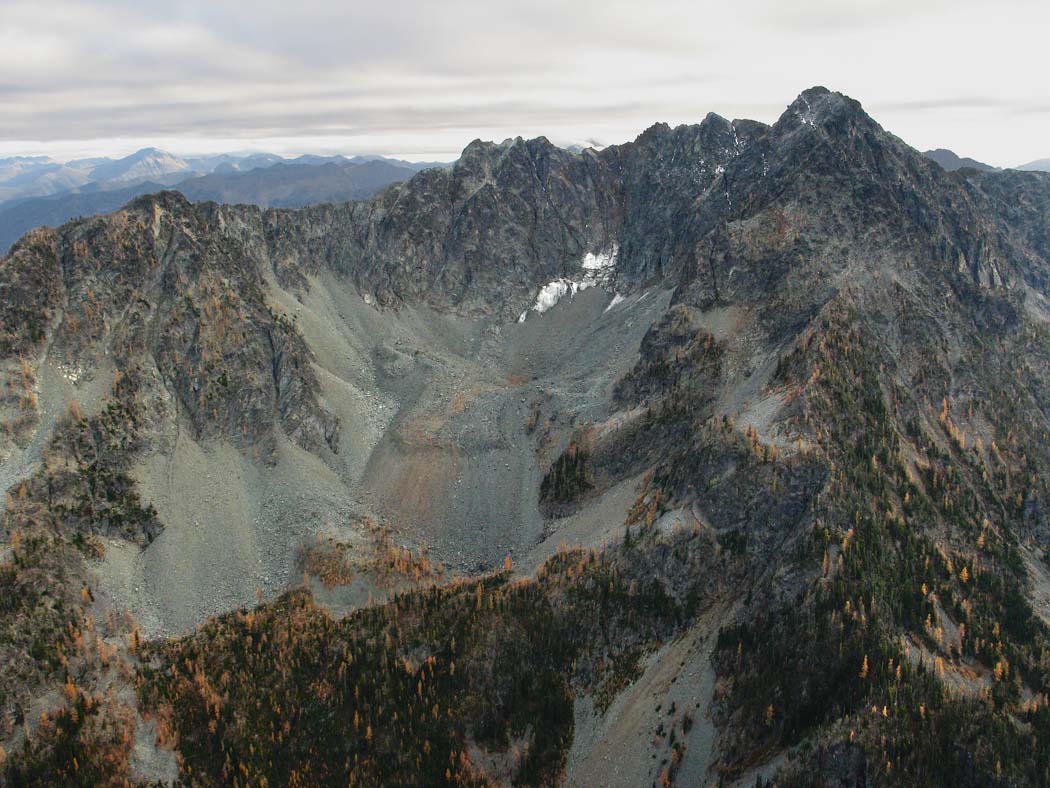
(951, 161)
(297, 184)
(1039, 165)
(39, 176)
(52, 193)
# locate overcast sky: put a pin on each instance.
(421, 78)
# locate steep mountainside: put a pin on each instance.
(720, 455)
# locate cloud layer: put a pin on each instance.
(420, 78)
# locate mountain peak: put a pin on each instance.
(830, 111)
(143, 153)
(713, 119)
(168, 199)
(1039, 165)
(818, 104)
(141, 165)
(816, 91)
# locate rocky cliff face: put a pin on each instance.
(171, 284)
(794, 397)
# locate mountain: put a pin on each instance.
(24, 178)
(226, 163)
(408, 165)
(952, 162)
(43, 177)
(254, 180)
(296, 184)
(141, 165)
(31, 176)
(1039, 165)
(715, 457)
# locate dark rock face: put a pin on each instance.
(1019, 202)
(31, 291)
(475, 237)
(676, 353)
(159, 281)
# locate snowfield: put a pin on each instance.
(598, 270)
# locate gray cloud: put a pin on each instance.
(412, 76)
(955, 102)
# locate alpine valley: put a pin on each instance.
(719, 457)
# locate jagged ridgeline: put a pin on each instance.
(346, 495)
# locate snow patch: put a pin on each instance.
(616, 299)
(601, 266)
(598, 269)
(552, 293)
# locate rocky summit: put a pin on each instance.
(719, 457)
